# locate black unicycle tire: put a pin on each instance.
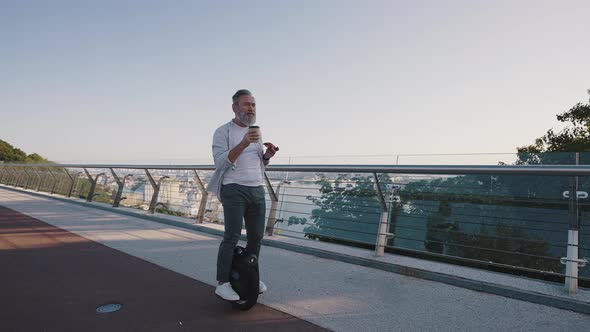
(252, 297)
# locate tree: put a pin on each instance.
(575, 137)
(479, 217)
(294, 220)
(35, 158)
(348, 210)
(9, 153)
(491, 216)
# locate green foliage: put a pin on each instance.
(575, 137)
(294, 220)
(82, 187)
(10, 154)
(36, 159)
(493, 247)
(103, 195)
(348, 209)
(499, 229)
(165, 209)
(556, 149)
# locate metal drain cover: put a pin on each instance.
(108, 308)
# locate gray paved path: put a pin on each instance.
(334, 295)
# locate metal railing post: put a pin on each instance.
(54, 181)
(3, 170)
(117, 197)
(71, 184)
(17, 177)
(120, 186)
(204, 198)
(571, 261)
(28, 178)
(92, 184)
(9, 175)
(77, 183)
(40, 180)
(20, 177)
(22, 174)
(45, 177)
(272, 216)
(382, 234)
(14, 178)
(6, 175)
(156, 187)
(25, 178)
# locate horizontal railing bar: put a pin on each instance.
(567, 170)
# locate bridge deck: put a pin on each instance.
(60, 261)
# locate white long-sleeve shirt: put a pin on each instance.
(222, 145)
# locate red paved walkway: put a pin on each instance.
(53, 280)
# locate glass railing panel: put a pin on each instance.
(340, 208)
(178, 194)
(520, 221)
(135, 190)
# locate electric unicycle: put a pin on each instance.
(244, 278)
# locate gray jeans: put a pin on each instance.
(240, 203)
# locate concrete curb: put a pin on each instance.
(480, 286)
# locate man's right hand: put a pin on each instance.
(250, 137)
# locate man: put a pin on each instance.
(237, 182)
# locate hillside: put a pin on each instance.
(11, 154)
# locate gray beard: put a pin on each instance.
(247, 119)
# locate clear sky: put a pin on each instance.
(149, 81)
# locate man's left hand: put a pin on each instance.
(271, 149)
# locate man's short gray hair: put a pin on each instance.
(238, 94)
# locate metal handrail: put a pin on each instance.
(561, 170)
